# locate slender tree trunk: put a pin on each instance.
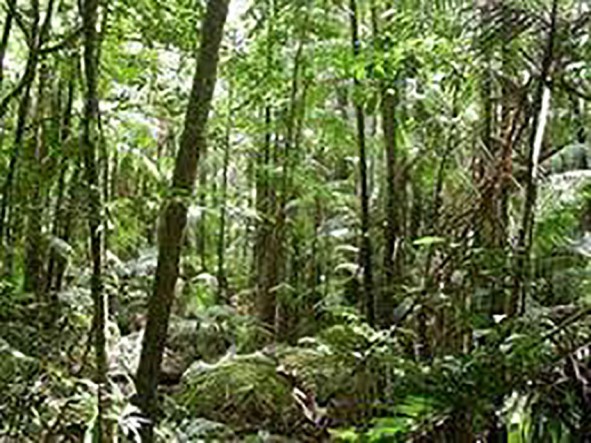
(68, 219)
(263, 253)
(505, 165)
(297, 270)
(54, 256)
(282, 323)
(103, 152)
(221, 252)
(315, 263)
(4, 42)
(201, 228)
(69, 224)
(59, 217)
(487, 220)
(37, 36)
(22, 114)
(35, 174)
(265, 247)
(392, 256)
(522, 280)
(114, 178)
(174, 218)
(7, 187)
(392, 229)
(365, 254)
(105, 430)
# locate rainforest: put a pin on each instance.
(295, 221)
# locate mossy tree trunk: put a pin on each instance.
(365, 250)
(174, 216)
(105, 427)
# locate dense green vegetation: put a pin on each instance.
(295, 220)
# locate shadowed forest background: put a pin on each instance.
(295, 220)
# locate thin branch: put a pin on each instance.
(34, 52)
(17, 16)
(66, 42)
(573, 89)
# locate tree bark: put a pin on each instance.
(266, 248)
(264, 262)
(105, 429)
(392, 229)
(37, 36)
(35, 174)
(201, 240)
(69, 223)
(221, 247)
(174, 219)
(284, 318)
(59, 219)
(365, 253)
(392, 268)
(522, 277)
(5, 213)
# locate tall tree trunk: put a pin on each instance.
(283, 320)
(103, 151)
(174, 219)
(221, 252)
(35, 174)
(486, 218)
(392, 229)
(492, 158)
(37, 36)
(365, 254)
(7, 187)
(22, 114)
(105, 429)
(522, 278)
(392, 255)
(505, 165)
(59, 219)
(263, 247)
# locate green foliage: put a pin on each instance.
(448, 360)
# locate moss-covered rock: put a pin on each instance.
(245, 392)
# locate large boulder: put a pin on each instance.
(246, 392)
